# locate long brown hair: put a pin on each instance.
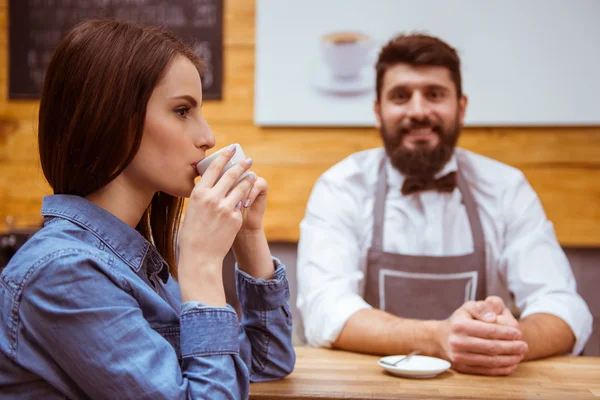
(92, 113)
(418, 49)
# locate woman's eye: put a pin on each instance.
(182, 112)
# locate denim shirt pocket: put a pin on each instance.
(171, 335)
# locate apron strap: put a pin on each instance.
(379, 206)
(472, 213)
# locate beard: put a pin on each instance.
(421, 162)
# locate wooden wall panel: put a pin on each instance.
(562, 164)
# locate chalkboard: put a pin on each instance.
(37, 26)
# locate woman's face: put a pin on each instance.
(175, 136)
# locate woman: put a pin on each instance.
(96, 305)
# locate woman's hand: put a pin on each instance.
(255, 206)
(212, 220)
(250, 247)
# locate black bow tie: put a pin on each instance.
(446, 183)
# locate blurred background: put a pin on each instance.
(561, 162)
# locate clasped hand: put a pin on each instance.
(482, 337)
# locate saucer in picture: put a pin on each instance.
(362, 83)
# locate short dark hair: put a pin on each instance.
(418, 49)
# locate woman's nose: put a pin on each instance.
(204, 137)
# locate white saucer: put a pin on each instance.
(322, 80)
(416, 366)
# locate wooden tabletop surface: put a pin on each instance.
(328, 374)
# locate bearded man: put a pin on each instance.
(420, 245)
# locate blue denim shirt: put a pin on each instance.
(88, 310)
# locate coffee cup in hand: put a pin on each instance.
(346, 53)
(236, 158)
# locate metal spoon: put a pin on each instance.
(412, 353)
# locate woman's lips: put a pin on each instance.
(195, 166)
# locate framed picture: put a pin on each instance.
(532, 62)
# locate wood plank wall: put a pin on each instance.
(563, 164)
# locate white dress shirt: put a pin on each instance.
(525, 264)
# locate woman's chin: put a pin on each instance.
(184, 191)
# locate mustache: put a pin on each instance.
(411, 124)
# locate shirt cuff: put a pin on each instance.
(263, 295)
(573, 313)
(208, 330)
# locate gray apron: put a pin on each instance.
(424, 287)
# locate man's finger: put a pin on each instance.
(487, 347)
(467, 369)
(507, 319)
(483, 310)
(496, 302)
(484, 330)
(482, 360)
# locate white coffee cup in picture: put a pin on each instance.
(346, 52)
(237, 157)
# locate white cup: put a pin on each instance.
(236, 158)
(346, 53)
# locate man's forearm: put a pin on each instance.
(377, 332)
(546, 335)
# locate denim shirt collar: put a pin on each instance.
(126, 242)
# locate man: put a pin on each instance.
(424, 246)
